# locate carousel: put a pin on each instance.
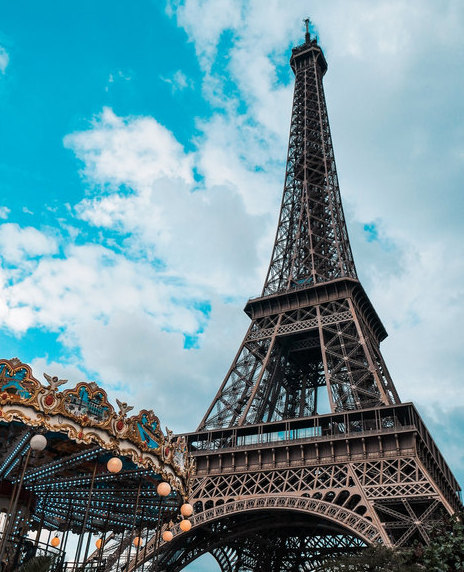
(84, 486)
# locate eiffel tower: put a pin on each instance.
(279, 485)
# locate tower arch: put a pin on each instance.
(229, 532)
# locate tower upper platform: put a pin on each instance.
(305, 54)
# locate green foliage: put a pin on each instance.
(375, 559)
(445, 553)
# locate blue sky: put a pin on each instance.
(142, 149)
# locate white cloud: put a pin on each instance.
(4, 60)
(424, 347)
(4, 212)
(167, 216)
(88, 284)
(207, 28)
(178, 81)
(123, 313)
(28, 242)
(148, 367)
(131, 152)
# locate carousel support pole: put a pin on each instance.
(105, 530)
(134, 520)
(69, 516)
(49, 536)
(13, 497)
(123, 534)
(39, 529)
(158, 539)
(147, 536)
(84, 522)
(9, 525)
(78, 552)
(38, 442)
(10, 507)
(42, 518)
(89, 537)
(26, 520)
(158, 535)
(140, 536)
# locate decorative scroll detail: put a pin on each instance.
(88, 404)
(86, 415)
(17, 383)
(180, 453)
(144, 428)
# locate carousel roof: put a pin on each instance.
(68, 484)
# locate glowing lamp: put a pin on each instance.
(137, 542)
(186, 510)
(163, 489)
(114, 465)
(185, 525)
(167, 536)
(38, 443)
(99, 543)
(55, 541)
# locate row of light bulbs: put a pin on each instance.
(114, 465)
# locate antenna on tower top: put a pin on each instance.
(307, 36)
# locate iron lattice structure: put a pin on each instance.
(279, 486)
(313, 326)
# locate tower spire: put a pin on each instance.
(311, 244)
(313, 329)
(307, 35)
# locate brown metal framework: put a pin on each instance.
(279, 486)
(313, 325)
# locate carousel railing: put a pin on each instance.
(22, 550)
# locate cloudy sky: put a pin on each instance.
(142, 157)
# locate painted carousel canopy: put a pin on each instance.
(100, 469)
